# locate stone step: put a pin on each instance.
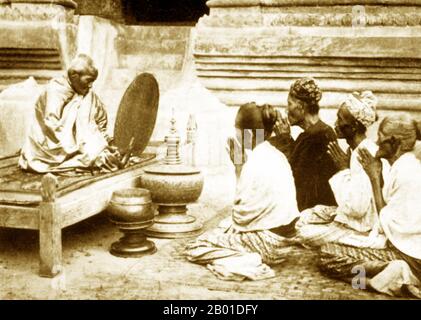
(154, 32)
(330, 99)
(152, 61)
(53, 65)
(25, 73)
(339, 85)
(282, 61)
(165, 46)
(271, 67)
(11, 76)
(292, 75)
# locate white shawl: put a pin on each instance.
(265, 195)
(401, 217)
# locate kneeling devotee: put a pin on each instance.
(311, 165)
(356, 214)
(265, 209)
(69, 130)
(395, 270)
(242, 142)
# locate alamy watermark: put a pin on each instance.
(360, 279)
(58, 283)
(359, 16)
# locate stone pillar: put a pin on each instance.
(252, 50)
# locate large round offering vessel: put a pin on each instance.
(172, 188)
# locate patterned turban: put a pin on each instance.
(362, 106)
(306, 89)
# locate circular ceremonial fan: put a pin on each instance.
(137, 113)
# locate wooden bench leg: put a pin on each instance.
(49, 230)
(49, 241)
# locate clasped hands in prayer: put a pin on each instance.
(338, 156)
(371, 165)
(281, 126)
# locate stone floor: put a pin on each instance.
(92, 273)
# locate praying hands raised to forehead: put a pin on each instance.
(281, 126)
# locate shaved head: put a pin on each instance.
(82, 64)
(82, 73)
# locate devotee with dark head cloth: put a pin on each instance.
(395, 270)
(311, 165)
(240, 145)
(69, 129)
(265, 210)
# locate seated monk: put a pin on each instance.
(395, 270)
(265, 209)
(356, 213)
(69, 129)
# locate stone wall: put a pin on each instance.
(144, 11)
(253, 49)
(110, 9)
(37, 39)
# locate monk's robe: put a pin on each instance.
(68, 132)
(312, 166)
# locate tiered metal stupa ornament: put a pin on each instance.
(191, 140)
(173, 186)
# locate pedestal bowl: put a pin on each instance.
(131, 211)
(172, 188)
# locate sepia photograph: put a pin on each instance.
(210, 150)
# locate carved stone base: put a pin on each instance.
(173, 222)
(252, 50)
(132, 245)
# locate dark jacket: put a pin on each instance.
(311, 165)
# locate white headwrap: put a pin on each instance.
(362, 106)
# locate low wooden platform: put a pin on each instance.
(49, 203)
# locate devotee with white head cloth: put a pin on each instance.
(356, 213)
(265, 208)
(397, 269)
(69, 129)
